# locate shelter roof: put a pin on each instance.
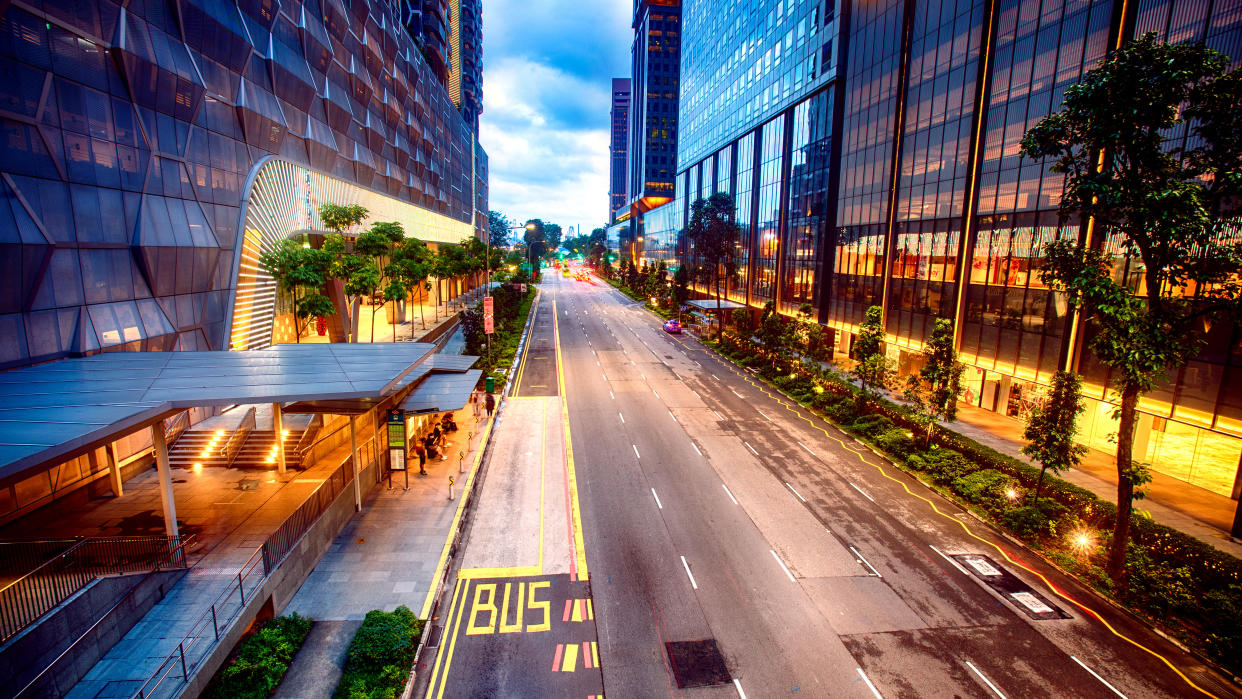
(51, 411)
(442, 392)
(710, 304)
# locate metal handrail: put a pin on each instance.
(125, 598)
(28, 598)
(177, 426)
(189, 654)
(237, 440)
(308, 438)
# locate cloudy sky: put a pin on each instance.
(547, 70)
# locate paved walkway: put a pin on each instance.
(388, 555)
(1171, 502)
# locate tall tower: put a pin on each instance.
(618, 147)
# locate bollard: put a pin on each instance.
(461, 462)
(450, 487)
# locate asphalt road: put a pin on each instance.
(714, 512)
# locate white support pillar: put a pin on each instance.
(114, 469)
(278, 430)
(101, 459)
(353, 450)
(165, 479)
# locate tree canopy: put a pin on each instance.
(1151, 151)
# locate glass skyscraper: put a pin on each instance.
(618, 170)
(150, 156)
(872, 150)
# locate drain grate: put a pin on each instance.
(697, 663)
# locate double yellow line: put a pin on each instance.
(969, 532)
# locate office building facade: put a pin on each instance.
(618, 172)
(872, 151)
(152, 156)
(654, 90)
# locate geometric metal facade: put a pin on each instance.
(131, 132)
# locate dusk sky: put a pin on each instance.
(547, 70)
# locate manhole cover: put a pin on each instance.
(248, 483)
(697, 663)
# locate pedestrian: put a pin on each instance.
(422, 457)
(436, 435)
(474, 402)
(490, 403)
(429, 443)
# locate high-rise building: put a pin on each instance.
(466, 74)
(872, 151)
(152, 156)
(428, 23)
(617, 149)
(654, 90)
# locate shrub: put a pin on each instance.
(943, 465)
(1157, 587)
(843, 412)
(261, 659)
(380, 655)
(984, 487)
(896, 441)
(871, 424)
(1033, 522)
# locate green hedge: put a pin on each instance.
(380, 656)
(1173, 579)
(261, 659)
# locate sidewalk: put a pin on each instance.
(1171, 502)
(129, 663)
(388, 555)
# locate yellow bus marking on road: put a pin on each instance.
(575, 510)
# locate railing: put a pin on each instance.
(20, 557)
(176, 426)
(237, 440)
(196, 646)
(307, 440)
(86, 635)
(31, 596)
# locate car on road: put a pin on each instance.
(672, 326)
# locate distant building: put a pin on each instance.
(617, 190)
(655, 84)
(466, 72)
(872, 152)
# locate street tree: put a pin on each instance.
(411, 264)
(1151, 151)
(378, 244)
(872, 367)
(301, 272)
(341, 220)
(681, 286)
(498, 229)
(933, 391)
(1052, 426)
(772, 331)
(713, 231)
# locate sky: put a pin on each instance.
(547, 91)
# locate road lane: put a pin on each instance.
(890, 532)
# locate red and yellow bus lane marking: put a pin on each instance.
(516, 617)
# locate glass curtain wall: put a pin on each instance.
(871, 105)
(940, 103)
(810, 152)
(745, 211)
(768, 212)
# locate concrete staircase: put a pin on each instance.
(204, 447)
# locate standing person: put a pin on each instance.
(474, 402)
(422, 457)
(490, 403)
